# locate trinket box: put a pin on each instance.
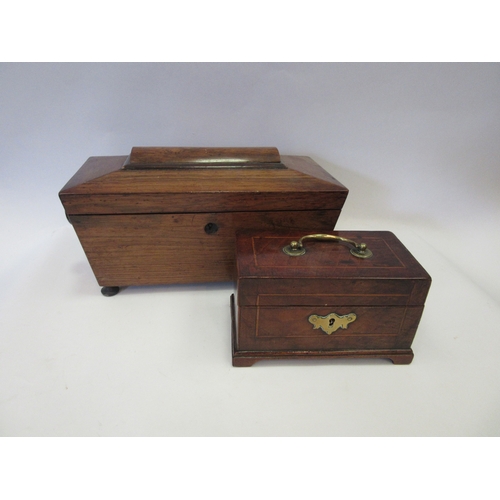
(354, 294)
(169, 215)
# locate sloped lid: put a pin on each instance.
(169, 180)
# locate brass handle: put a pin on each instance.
(296, 248)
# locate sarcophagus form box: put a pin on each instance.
(169, 215)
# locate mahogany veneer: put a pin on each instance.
(377, 301)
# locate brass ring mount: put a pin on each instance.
(296, 248)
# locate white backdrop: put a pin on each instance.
(418, 147)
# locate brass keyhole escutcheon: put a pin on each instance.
(332, 322)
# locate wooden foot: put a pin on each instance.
(243, 362)
(402, 359)
(109, 291)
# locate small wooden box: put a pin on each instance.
(169, 215)
(328, 302)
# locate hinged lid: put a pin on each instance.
(335, 269)
(193, 180)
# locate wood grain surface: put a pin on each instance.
(161, 157)
(101, 186)
(151, 249)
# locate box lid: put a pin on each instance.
(329, 272)
(173, 180)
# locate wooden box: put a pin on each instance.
(335, 300)
(169, 215)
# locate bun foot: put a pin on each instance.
(109, 291)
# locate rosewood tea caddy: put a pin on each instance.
(169, 215)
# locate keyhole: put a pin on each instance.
(211, 228)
